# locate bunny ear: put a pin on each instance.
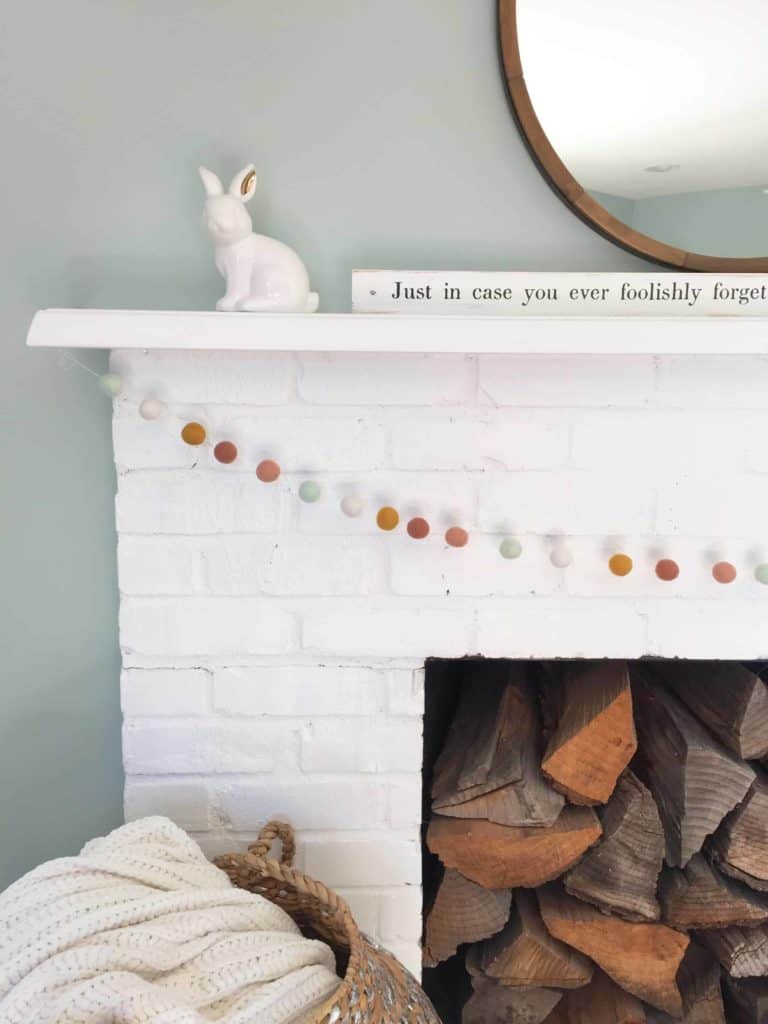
(244, 183)
(211, 183)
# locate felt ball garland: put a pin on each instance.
(510, 547)
(724, 572)
(193, 433)
(310, 491)
(418, 528)
(667, 570)
(561, 556)
(268, 471)
(456, 537)
(152, 409)
(111, 384)
(353, 505)
(620, 564)
(225, 452)
(387, 518)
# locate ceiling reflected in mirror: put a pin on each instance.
(652, 115)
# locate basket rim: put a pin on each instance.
(258, 864)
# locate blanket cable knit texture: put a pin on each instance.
(141, 928)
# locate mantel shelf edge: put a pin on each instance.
(356, 332)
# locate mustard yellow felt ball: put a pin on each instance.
(387, 518)
(620, 565)
(193, 433)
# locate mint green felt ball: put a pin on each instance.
(111, 384)
(510, 547)
(310, 491)
(761, 573)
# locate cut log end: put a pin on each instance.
(491, 1003)
(525, 955)
(499, 857)
(643, 959)
(620, 874)
(600, 1002)
(699, 897)
(740, 845)
(462, 912)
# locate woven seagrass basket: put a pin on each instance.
(376, 988)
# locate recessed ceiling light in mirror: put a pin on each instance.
(661, 168)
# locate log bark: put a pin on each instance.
(743, 952)
(643, 959)
(525, 955)
(476, 755)
(699, 981)
(594, 739)
(500, 857)
(489, 767)
(699, 897)
(704, 1002)
(740, 845)
(746, 1000)
(620, 874)
(473, 963)
(496, 1004)
(694, 780)
(462, 912)
(729, 699)
(600, 1002)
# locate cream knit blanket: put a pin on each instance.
(140, 927)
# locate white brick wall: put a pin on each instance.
(273, 651)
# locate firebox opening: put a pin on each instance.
(595, 840)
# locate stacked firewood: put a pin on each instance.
(603, 832)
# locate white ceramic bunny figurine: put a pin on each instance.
(262, 274)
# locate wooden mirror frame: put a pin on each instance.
(572, 193)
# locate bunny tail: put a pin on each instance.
(313, 301)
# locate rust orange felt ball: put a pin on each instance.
(387, 518)
(225, 452)
(456, 537)
(193, 433)
(620, 565)
(667, 570)
(418, 528)
(724, 572)
(267, 471)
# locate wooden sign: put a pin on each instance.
(499, 293)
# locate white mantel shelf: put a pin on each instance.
(147, 329)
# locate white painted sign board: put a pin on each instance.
(500, 293)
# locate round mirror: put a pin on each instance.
(650, 120)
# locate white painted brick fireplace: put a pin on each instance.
(274, 651)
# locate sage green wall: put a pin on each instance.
(720, 222)
(382, 138)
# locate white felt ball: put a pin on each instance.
(152, 409)
(561, 558)
(111, 384)
(352, 505)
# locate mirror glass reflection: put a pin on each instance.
(660, 111)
